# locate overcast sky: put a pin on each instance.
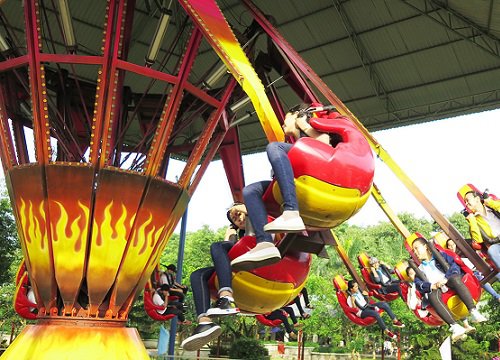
(439, 156)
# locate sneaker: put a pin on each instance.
(390, 334)
(262, 254)
(457, 332)
(476, 316)
(469, 329)
(292, 335)
(298, 325)
(202, 335)
(398, 324)
(223, 306)
(282, 224)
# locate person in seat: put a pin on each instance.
(450, 245)
(280, 314)
(440, 274)
(433, 299)
(264, 253)
(168, 277)
(360, 300)
(484, 223)
(381, 274)
(207, 330)
(297, 301)
(160, 297)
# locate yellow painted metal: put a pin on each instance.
(49, 342)
(377, 195)
(222, 39)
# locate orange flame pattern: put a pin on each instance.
(33, 226)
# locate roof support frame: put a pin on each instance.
(467, 29)
(366, 61)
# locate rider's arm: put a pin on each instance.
(306, 128)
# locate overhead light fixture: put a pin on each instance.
(222, 70)
(67, 25)
(4, 45)
(239, 104)
(161, 30)
(241, 119)
(214, 77)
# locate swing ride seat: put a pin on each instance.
(272, 323)
(267, 288)
(431, 319)
(151, 308)
(450, 298)
(341, 289)
(364, 264)
(22, 305)
(332, 182)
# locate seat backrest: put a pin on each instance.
(340, 283)
(265, 321)
(22, 305)
(364, 260)
(440, 238)
(151, 308)
(400, 271)
(341, 287)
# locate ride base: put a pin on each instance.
(77, 340)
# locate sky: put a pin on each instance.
(439, 156)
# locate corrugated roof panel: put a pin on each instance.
(479, 13)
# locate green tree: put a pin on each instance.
(10, 258)
(9, 245)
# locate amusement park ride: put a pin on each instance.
(86, 140)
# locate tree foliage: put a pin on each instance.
(328, 321)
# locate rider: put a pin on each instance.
(450, 245)
(264, 253)
(361, 301)
(207, 330)
(484, 222)
(441, 275)
(434, 299)
(381, 274)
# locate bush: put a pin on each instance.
(248, 349)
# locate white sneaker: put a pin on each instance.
(457, 332)
(476, 316)
(287, 222)
(262, 254)
(469, 329)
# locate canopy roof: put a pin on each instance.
(392, 62)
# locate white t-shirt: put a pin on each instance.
(493, 222)
(31, 297)
(157, 300)
(360, 299)
(430, 270)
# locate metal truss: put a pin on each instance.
(457, 24)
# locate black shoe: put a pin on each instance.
(223, 306)
(202, 335)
